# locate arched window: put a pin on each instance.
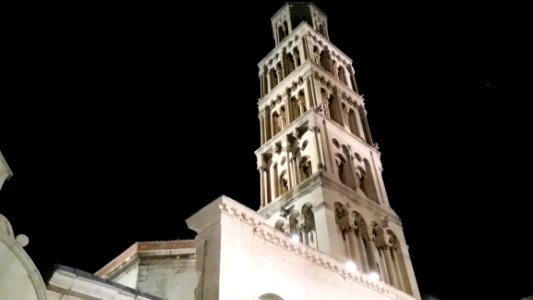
(344, 170)
(363, 243)
(352, 122)
(293, 224)
(283, 183)
(276, 123)
(281, 33)
(301, 101)
(308, 225)
(279, 72)
(325, 60)
(297, 59)
(398, 263)
(290, 63)
(342, 75)
(273, 78)
(269, 296)
(368, 185)
(295, 108)
(334, 109)
(321, 29)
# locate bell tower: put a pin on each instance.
(320, 171)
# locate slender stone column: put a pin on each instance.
(390, 268)
(262, 186)
(266, 186)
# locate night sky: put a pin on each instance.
(120, 122)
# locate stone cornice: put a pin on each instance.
(205, 218)
(306, 187)
(256, 223)
(295, 34)
(321, 39)
(302, 72)
(138, 249)
(324, 179)
(290, 128)
(306, 30)
(333, 183)
(344, 90)
(70, 281)
(341, 128)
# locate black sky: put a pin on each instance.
(120, 122)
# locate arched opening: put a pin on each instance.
(321, 29)
(368, 185)
(350, 173)
(290, 63)
(283, 183)
(282, 118)
(334, 109)
(352, 122)
(285, 28)
(295, 108)
(275, 123)
(279, 71)
(398, 263)
(297, 59)
(301, 101)
(342, 75)
(273, 78)
(325, 101)
(281, 33)
(293, 225)
(363, 242)
(344, 171)
(325, 60)
(316, 54)
(380, 244)
(308, 225)
(269, 296)
(334, 67)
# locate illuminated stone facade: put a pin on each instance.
(321, 173)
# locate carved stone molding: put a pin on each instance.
(259, 229)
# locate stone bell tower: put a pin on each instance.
(320, 171)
